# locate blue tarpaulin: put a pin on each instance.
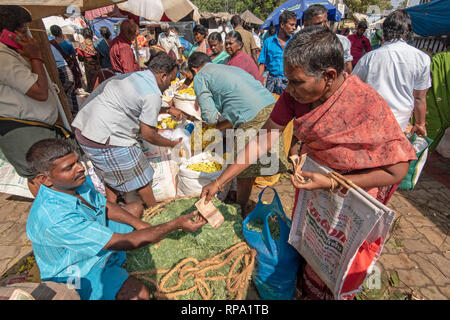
(111, 23)
(298, 7)
(431, 18)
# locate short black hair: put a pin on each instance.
(13, 18)
(42, 154)
(236, 21)
(286, 16)
(161, 62)
(362, 25)
(215, 36)
(56, 30)
(105, 32)
(235, 35)
(198, 60)
(87, 33)
(312, 11)
(315, 49)
(397, 25)
(200, 29)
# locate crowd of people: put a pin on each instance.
(350, 106)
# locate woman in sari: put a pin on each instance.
(90, 58)
(200, 45)
(216, 45)
(342, 123)
(238, 58)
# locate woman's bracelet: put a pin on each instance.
(218, 186)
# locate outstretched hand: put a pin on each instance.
(191, 222)
(209, 191)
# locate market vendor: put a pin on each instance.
(339, 119)
(245, 104)
(115, 115)
(80, 238)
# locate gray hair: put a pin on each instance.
(397, 25)
(315, 49)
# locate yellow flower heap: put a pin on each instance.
(169, 122)
(207, 166)
(190, 91)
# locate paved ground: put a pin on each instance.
(415, 262)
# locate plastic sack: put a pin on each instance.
(340, 234)
(165, 171)
(420, 145)
(443, 148)
(277, 261)
(191, 183)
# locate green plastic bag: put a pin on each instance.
(420, 145)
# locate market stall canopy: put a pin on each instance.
(249, 17)
(70, 8)
(218, 15)
(430, 19)
(161, 10)
(298, 7)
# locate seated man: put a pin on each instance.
(79, 237)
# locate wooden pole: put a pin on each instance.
(40, 35)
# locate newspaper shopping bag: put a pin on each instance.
(266, 229)
(340, 234)
(420, 145)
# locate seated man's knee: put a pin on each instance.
(135, 208)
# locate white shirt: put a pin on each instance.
(171, 42)
(394, 70)
(347, 45)
(257, 40)
(117, 106)
(16, 78)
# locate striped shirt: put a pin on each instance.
(67, 236)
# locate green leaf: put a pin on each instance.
(394, 279)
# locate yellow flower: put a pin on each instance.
(207, 166)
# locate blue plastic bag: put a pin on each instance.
(275, 276)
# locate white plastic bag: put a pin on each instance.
(164, 177)
(190, 182)
(329, 229)
(10, 181)
(444, 145)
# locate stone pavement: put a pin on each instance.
(418, 248)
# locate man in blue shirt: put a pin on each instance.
(271, 57)
(79, 237)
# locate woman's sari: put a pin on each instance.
(91, 61)
(353, 130)
(245, 62)
(220, 58)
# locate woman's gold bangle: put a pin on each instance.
(218, 185)
(332, 184)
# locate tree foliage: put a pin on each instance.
(261, 8)
(361, 6)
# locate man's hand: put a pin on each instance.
(316, 181)
(175, 142)
(419, 129)
(30, 47)
(209, 191)
(191, 222)
(177, 114)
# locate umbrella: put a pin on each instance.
(431, 18)
(161, 10)
(69, 8)
(298, 7)
(249, 17)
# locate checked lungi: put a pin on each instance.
(276, 84)
(68, 83)
(122, 168)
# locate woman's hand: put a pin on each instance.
(419, 129)
(177, 114)
(314, 181)
(209, 191)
